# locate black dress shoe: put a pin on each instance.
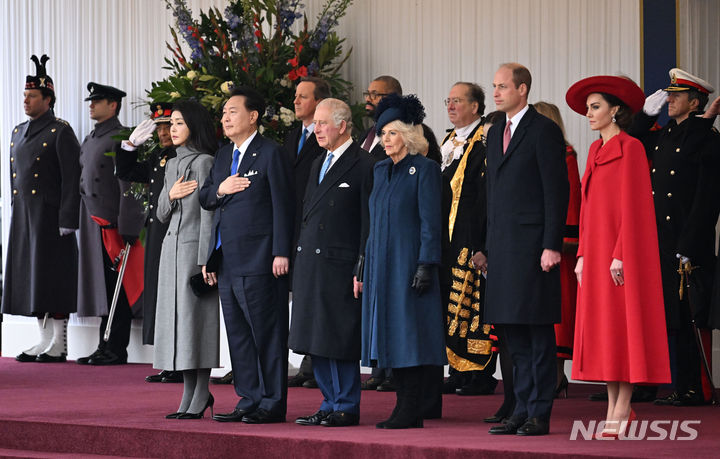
(386, 386)
(313, 419)
(262, 416)
(23, 357)
(371, 383)
(510, 427)
(495, 419)
(310, 384)
(227, 379)
(691, 398)
(172, 377)
(174, 415)
(156, 378)
(474, 389)
(666, 401)
(341, 419)
(533, 427)
(86, 360)
(47, 358)
(107, 358)
(298, 380)
(236, 415)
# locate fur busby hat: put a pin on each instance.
(407, 109)
(41, 80)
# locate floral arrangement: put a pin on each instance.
(258, 43)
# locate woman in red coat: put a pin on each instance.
(620, 333)
(565, 330)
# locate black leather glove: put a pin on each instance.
(422, 278)
(358, 270)
(128, 239)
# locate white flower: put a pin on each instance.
(261, 129)
(175, 95)
(287, 116)
(285, 82)
(227, 87)
(191, 75)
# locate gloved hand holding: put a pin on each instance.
(422, 280)
(654, 102)
(142, 133)
(66, 231)
(129, 238)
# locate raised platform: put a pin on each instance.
(68, 410)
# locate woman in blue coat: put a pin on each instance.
(402, 322)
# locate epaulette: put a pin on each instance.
(62, 121)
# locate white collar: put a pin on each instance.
(466, 130)
(309, 129)
(516, 119)
(242, 148)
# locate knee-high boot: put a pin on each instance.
(408, 413)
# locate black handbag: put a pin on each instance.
(199, 287)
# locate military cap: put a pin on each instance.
(41, 80)
(161, 111)
(101, 91)
(680, 80)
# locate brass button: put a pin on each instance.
(15, 130)
(14, 191)
(656, 147)
(44, 144)
(33, 191)
(14, 175)
(677, 150)
(669, 195)
(152, 180)
(151, 206)
(12, 144)
(37, 159)
(672, 172)
(151, 220)
(667, 218)
(12, 159)
(653, 192)
(653, 171)
(53, 130)
(669, 129)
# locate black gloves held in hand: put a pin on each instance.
(128, 239)
(422, 280)
(358, 269)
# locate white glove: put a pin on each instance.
(142, 133)
(66, 231)
(655, 102)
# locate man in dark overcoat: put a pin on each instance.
(249, 190)
(301, 148)
(107, 214)
(150, 171)
(41, 269)
(685, 156)
(325, 315)
(528, 190)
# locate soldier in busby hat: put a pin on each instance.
(151, 171)
(685, 167)
(41, 269)
(110, 218)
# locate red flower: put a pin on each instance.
(293, 61)
(259, 47)
(292, 75)
(258, 33)
(302, 71)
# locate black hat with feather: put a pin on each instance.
(407, 109)
(41, 80)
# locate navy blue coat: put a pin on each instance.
(255, 224)
(527, 189)
(399, 327)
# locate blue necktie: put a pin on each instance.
(325, 167)
(233, 171)
(302, 140)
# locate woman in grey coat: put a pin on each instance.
(187, 327)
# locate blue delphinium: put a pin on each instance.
(185, 22)
(287, 10)
(240, 31)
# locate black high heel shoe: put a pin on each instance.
(562, 387)
(174, 415)
(201, 414)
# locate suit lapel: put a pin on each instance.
(346, 161)
(310, 143)
(251, 154)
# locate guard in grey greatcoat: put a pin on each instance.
(41, 270)
(103, 197)
(326, 317)
(685, 168)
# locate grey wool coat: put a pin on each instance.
(187, 328)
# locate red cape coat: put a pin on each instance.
(619, 330)
(565, 330)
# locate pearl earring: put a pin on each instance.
(613, 119)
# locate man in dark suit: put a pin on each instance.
(527, 188)
(301, 148)
(376, 91)
(249, 189)
(326, 316)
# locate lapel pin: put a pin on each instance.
(254, 154)
(412, 170)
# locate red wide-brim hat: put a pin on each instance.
(622, 88)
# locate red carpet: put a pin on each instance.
(69, 410)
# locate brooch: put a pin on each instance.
(163, 161)
(412, 170)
